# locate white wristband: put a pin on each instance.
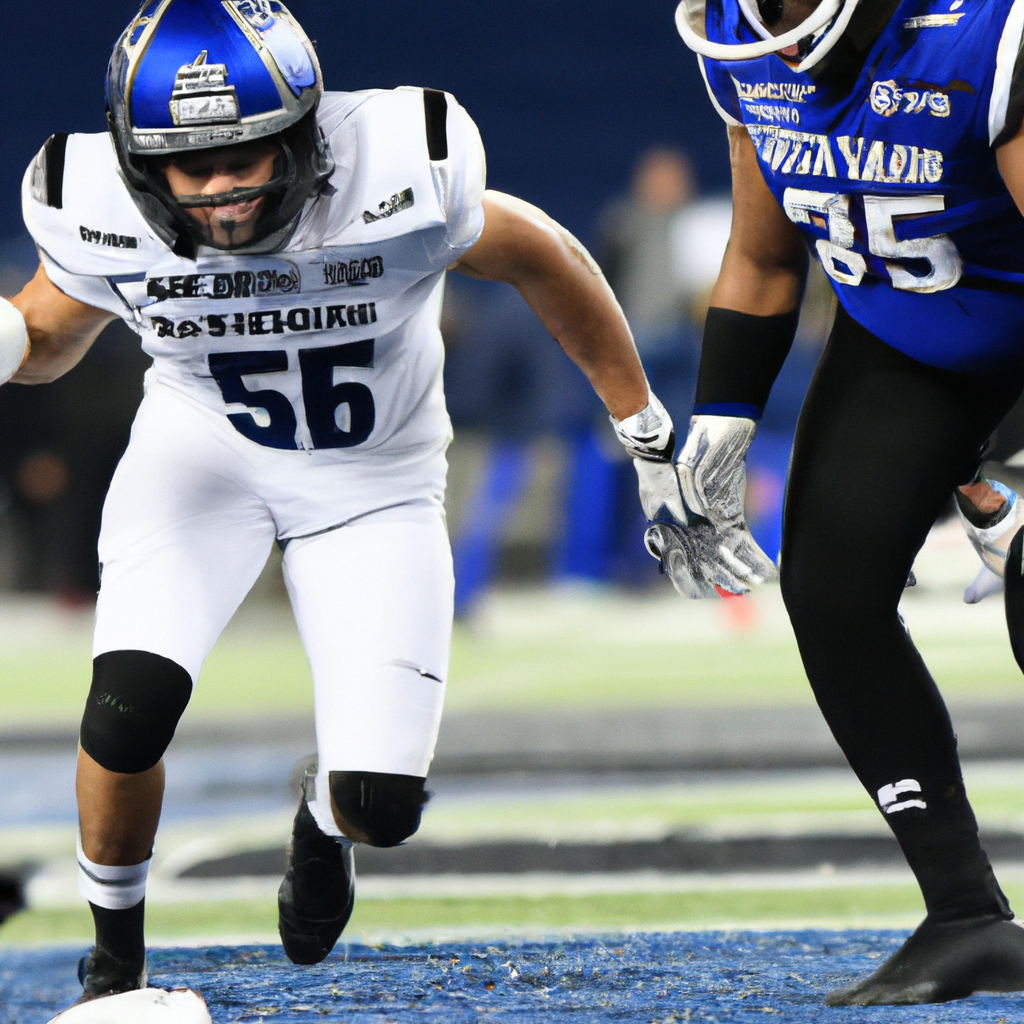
(13, 340)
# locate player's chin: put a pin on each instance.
(231, 226)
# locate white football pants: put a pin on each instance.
(187, 528)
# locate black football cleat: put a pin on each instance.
(944, 960)
(103, 974)
(315, 900)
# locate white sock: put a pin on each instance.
(317, 791)
(115, 888)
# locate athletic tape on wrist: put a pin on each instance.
(114, 888)
(741, 356)
(648, 433)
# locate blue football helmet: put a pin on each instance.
(190, 75)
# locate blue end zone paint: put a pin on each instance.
(643, 979)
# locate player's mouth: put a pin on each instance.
(237, 211)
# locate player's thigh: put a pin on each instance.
(182, 541)
(881, 444)
(373, 603)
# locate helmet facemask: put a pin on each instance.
(301, 168)
(812, 38)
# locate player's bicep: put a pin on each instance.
(518, 241)
(1010, 159)
(766, 261)
(60, 329)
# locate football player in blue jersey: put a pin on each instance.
(885, 137)
(281, 251)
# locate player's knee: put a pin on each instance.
(378, 808)
(813, 595)
(134, 705)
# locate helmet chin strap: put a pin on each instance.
(818, 21)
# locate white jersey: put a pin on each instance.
(331, 343)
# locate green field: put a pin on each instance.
(899, 904)
(594, 654)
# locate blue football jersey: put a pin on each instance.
(894, 182)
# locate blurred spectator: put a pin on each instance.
(660, 249)
(62, 442)
(511, 393)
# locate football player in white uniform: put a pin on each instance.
(282, 254)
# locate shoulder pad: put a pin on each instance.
(47, 171)
(435, 112)
(79, 211)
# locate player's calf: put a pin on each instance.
(133, 708)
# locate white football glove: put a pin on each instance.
(714, 549)
(990, 541)
(649, 437)
(13, 340)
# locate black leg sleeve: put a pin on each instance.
(882, 443)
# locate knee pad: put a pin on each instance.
(134, 705)
(378, 808)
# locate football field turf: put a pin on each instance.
(731, 949)
(533, 650)
(738, 977)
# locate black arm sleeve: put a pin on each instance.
(741, 356)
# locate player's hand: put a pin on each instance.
(688, 540)
(989, 529)
(713, 550)
(13, 341)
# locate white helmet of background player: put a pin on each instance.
(811, 40)
(190, 75)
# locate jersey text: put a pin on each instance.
(270, 321)
(108, 238)
(792, 152)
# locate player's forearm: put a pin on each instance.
(60, 330)
(49, 358)
(582, 315)
(765, 265)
